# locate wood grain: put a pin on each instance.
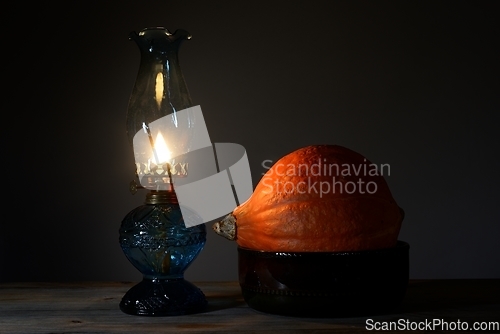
(92, 307)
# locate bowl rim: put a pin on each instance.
(400, 246)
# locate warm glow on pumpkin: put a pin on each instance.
(291, 211)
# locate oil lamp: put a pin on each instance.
(159, 238)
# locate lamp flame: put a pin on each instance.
(162, 153)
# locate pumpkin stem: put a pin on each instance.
(226, 227)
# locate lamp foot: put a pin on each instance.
(167, 297)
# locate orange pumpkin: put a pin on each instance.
(320, 198)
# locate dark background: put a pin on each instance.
(411, 84)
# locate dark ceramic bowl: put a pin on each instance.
(337, 284)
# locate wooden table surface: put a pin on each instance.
(92, 307)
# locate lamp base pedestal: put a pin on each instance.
(163, 297)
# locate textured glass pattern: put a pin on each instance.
(156, 241)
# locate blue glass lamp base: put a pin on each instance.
(156, 240)
(168, 297)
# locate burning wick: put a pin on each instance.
(162, 148)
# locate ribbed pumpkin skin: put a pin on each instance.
(301, 219)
